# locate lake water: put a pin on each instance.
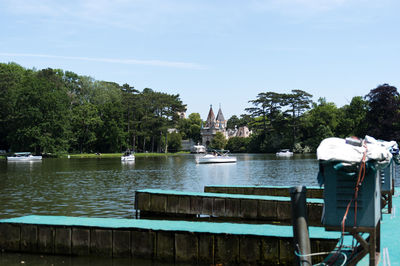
(106, 188)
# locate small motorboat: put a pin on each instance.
(128, 157)
(198, 149)
(216, 157)
(284, 153)
(23, 157)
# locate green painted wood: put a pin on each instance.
(283, 191)
(198, 227)
(274, 208)
(178, 241)
(161, 193)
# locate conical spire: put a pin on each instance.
(210, 118)
(220, 116)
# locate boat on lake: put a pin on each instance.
(284, 153)
(128, 157)
(216, 156)
(23, 157)
(198, 149)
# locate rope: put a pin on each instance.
(322, 253)
(360, 179)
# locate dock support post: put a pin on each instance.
(136, 205)
(301, 238)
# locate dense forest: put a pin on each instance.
(51, 111)
(294, 121)
(54, 112)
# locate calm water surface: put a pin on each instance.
(106, 187)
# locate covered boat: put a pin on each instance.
(198, 149)
(284, 153)
(128, 157)
(216, 156)
(23, 157)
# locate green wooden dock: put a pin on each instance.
(282, 191)
(180, 241)
(156, 202)
(161, 240)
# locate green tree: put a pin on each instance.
(190, 127)
(159, 112)
(383, 112)
(352, 119)
(237, 144)
(266, 107)
(298, 102)
(319, 123)
(41, 113)
(111, 136)
(130, 102)
(219, 141)
(233, 122)
(85, 121)
(174, 142)
(11, 76)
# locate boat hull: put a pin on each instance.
(24, 159)
(216, 159)
(129, 158)
(284, 154)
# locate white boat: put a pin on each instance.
(198, 149)
(216, 157)
(284, 153)
(128, 157)
(23, 157)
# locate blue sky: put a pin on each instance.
(212, 52)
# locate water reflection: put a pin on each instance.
(24, 166)
(106, 187)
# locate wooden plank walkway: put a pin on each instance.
(155, 202)
(172, 241)
(283, 191)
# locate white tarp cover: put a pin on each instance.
(336, 149)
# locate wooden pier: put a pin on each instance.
(169, 241)
(282, 191)
(191, 242)
(155, 202)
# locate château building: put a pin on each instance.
(218, 124)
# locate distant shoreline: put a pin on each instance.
(117, 155)
(109, 155)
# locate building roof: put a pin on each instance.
(210, 118)
(220, 116)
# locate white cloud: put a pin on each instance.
(158, 63)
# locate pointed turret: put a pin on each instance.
(220, 116)
(210, 118)
(221, 122)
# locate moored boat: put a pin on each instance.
(24, 157)
(284, 153)
(198, 149)
(128, 157)
(216, 157)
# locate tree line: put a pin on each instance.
(293, 120)
(54, 111)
